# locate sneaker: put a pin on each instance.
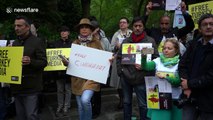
(66, 111)
(59, 112)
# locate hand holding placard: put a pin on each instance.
(64, 60)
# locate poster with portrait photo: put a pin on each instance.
(131, 52)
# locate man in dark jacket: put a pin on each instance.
(196, 72)
(165, 29)
(33, 62)
(132, 76)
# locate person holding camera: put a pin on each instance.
(196, 72)
(62, 79)
(166, 63)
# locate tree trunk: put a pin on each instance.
(137, 5)
(52, 5)
(86, 7)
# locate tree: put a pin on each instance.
(85, 7)
(108, 13)
(51, 15)
(136, 6)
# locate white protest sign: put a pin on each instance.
(89, 63)
(3, 43)
(172, 4)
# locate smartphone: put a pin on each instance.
(63, 58)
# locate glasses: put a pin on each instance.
(207, 24)
(122, 22)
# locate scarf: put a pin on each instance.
(138, 38)
(85, 39)
(169, 62)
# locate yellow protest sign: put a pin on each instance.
(196, 10)
(10, 64)
(131, 52)
(53, 59)
(153, 101)
(129, 48)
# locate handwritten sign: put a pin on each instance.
(10, 64)
(196, 10)
(53, 59)
(89, 63)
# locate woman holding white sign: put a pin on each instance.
(83, 88)
(166, 67)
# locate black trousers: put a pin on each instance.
(96, 103)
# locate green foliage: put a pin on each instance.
(51, 36)
(7, 29)
(154, 18)
(108, 13)
(52, 14)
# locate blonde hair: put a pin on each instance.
(175, 42)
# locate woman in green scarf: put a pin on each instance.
(166, 67)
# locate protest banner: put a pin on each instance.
(53, 59)
(3, 43)
(131, 52)
(89, 63)
(196, 10)
(173, 4)
(11, 64)
(159, 93)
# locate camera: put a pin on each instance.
(183, 100)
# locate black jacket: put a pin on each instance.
(131, 74)
(62, 44)
(158, 35)
(202, 84)
(32, 73)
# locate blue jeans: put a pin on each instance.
(140, 91)
(84, 105)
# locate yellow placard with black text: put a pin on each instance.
(11, 64)
(53, 59)
(198, 9)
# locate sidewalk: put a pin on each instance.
(108, 110)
